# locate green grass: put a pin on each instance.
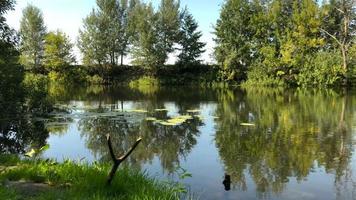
(82, 181)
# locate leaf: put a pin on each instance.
(44, 148)
(31, 153)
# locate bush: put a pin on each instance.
(322, 69)
(258, 75)
(96, 79)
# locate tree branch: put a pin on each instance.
(122, 158)
(118, 161)
(332, 36)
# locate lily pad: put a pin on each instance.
(161, 110)
(138, 111)
(247, 124)
(151, 119)
(193, 111)
(164, 123)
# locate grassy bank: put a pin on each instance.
(47, 179)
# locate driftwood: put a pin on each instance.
(118, 160)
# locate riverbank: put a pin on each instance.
(131, 75)
(47, 179)
(197, 75)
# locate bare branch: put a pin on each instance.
(122, 158)
(110, 148)
(332, 36)
(118, 161)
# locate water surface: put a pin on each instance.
(274, 144)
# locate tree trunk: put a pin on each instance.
(344, 57)
(122, 60)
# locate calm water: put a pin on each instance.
(274, 144)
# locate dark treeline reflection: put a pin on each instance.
(294, 133)
(21, 103)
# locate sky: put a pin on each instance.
(67, 16)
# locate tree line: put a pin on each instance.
(294, 42)
(270, 42)
(113, 30)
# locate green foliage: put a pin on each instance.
(32, 32)
(148, 50)
(90, 41)
(191, 47)
(168, 25)
(106, 33)
(284, 42)
(321, 69)
(58, 52)
(233, 32)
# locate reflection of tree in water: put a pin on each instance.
(294, 133)
(169, 143)
(19, 106)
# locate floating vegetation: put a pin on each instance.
(164, 123)
(151, 119)
(138, 111)
(193, 111)
(215, 117)
(175, 121)
(201, 117)
(161, 110)
(247, 124)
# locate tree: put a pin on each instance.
(11, 73)
(90, 41)
(191, 47)
(124, 31)
(148, 51)
(32, 32)
(233, 39)
(106, 33)
(341, 28)
(168, 25)
(58, 51)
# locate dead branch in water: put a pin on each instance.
(118, 160)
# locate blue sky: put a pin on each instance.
(67, 15)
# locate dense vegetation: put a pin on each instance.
(290, 42)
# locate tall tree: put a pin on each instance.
(58, 51)
(11, 73)
(124, 31)
(32, 32)
(90, 41)
(108, 25)
(191, 47)
(168, 25)
(304, 37)
(148, 51)
(342, 33)
(8, 37)
(233, 39)
(105, 35)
